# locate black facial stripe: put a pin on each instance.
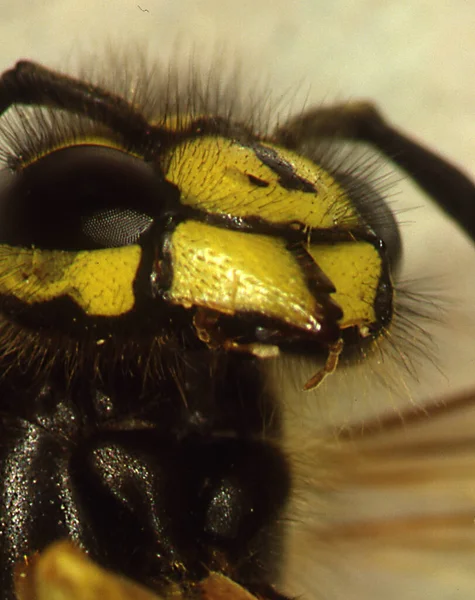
(258, 182)
(292, 231)
(288, 178)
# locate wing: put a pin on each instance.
(388, 511)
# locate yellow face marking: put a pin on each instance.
(355, 269)
(213, 175)
(99, 281)
(230, 271)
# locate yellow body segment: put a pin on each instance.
(63, 572)
(213, 173)
(99, 281)
(355, 269)
(230, 272)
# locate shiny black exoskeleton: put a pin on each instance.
(158, 482)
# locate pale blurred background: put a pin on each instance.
(415, 59)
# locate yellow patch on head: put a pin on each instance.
(231, 271)
(99, 281)
(355, 269)
(216, 174)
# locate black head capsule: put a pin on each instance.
(80, 197)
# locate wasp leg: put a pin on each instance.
(33, 85)
(361, 121)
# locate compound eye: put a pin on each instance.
(378, 214)
(115, 227)
(81, 198)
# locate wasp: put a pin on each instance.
(149, 262)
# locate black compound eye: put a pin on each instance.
(116, 227)
(82, 197)
(378, 214)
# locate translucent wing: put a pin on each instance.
(388, 512)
